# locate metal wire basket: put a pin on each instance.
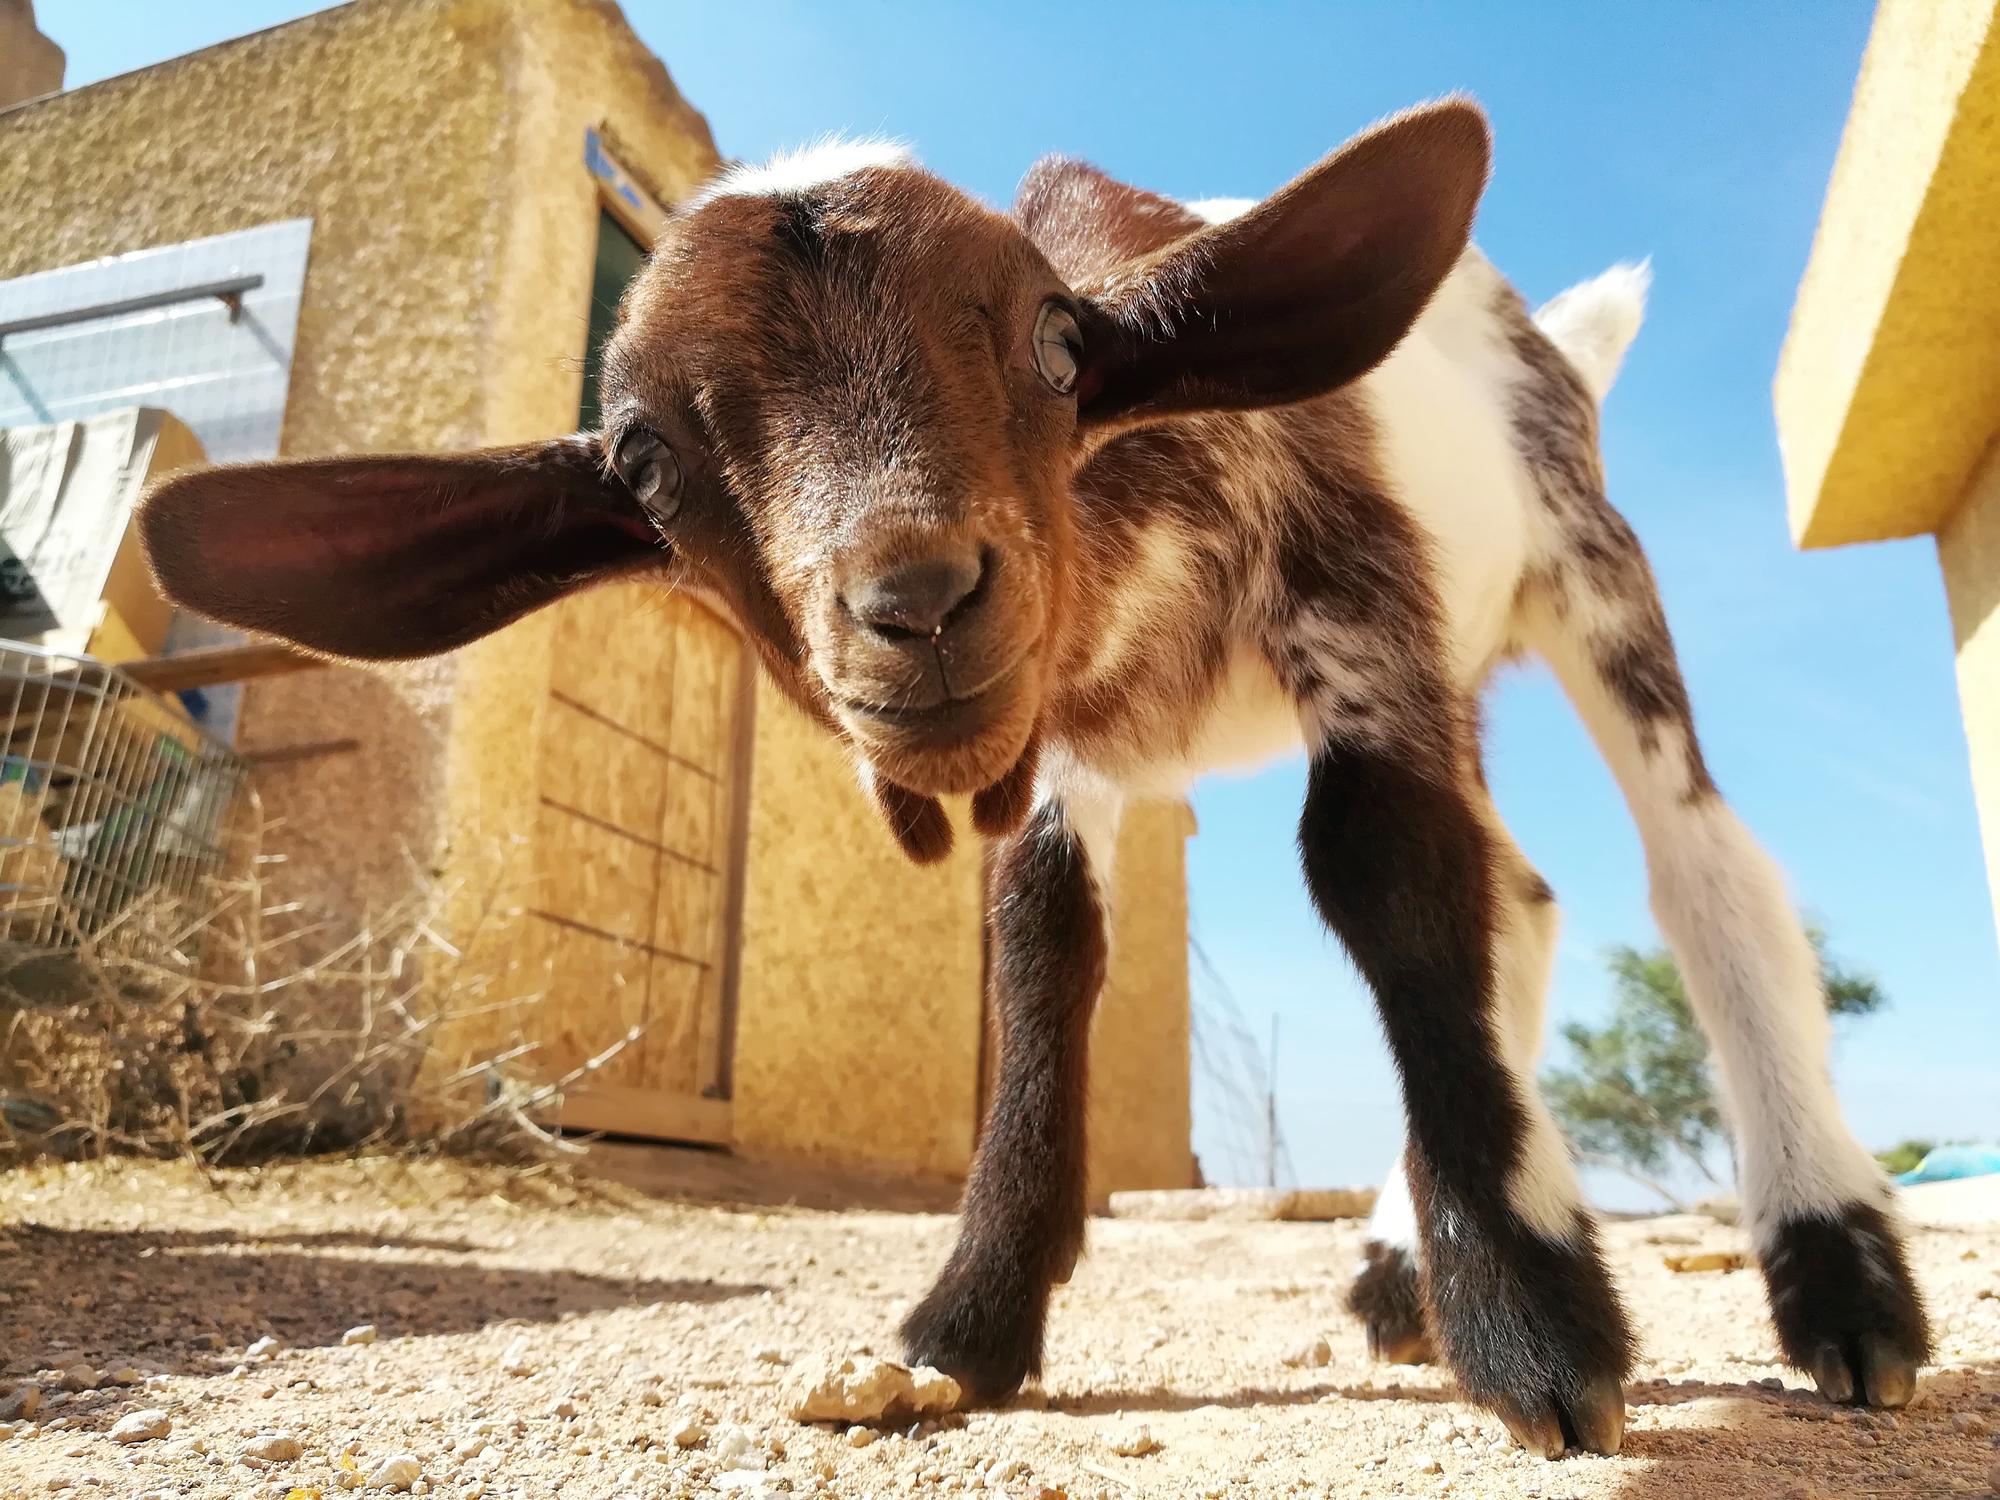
(113, 804)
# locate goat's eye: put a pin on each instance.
(1058, 347)
(650, 471)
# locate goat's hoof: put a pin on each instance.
(1846, 1306)
(1385, 1297)
(1533, 1329)
(962, 1328)
(1592, 1422)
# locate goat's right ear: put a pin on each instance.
(1308, 290)
(385, 558)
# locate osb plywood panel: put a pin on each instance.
(688, 912)
(693, 826)
(610, 643)
(857, 1036)
(595, 877)
(704, 690)
(1139, 1100)
(595, 990)
(672, 1054)
(596, 768)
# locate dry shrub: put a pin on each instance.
(226, 1028)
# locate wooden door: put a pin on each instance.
(638, 843)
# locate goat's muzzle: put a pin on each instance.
(928, 647)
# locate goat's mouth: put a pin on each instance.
(961, 744)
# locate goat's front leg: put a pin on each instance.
(1403, 867)
(1021, 1227)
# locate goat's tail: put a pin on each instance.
(1595, 321)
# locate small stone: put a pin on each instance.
(862, 1388)
(125, 1375)
(733, 1449)
(1134, 1442)
(1314, 1354)
(1769, 1383)
(264, 1348)
(141, 1426)
(770, 1357)
(515, 1360)
(1428, 1465)
(80, 1377)
(397, 1473)
(860, 1437)
(692, 1434)
(273, 1447)
(1969, 1423)
(360, 1333)
(21, 1403)
(564, 1408)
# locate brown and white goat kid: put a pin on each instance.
(1064, 507)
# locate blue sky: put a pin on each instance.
(1698, 135)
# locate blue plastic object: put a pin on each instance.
(1950, 1163)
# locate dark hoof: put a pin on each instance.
(1592, 1421)
(1533, 1330)
(1385, 1297)
(1846, 1306)
(976, 1332)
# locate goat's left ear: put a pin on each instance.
(1308, 290)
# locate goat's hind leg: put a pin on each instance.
(1021, 1227)
(1385, 1293)
(1818, 1207)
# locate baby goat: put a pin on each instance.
(1065, 507)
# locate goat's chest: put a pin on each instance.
(1236, 716)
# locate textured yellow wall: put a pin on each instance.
(1139, 1120)
(1969, 551)
(1888, 391)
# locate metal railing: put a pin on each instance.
(229, 292)
(110, 795)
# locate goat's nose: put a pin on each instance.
(917, 598)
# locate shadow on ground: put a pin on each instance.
(183, 1302)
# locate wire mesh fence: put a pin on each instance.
(112, 802)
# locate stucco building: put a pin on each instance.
(614, 808)
(1888, 391)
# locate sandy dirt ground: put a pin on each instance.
(536, 1338)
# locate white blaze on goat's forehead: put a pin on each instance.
(803, 168)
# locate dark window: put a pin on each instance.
(619, 258)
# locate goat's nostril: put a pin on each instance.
(918, 598)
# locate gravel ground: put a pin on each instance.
(310, 1331)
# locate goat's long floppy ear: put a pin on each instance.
(1306, 291)
(384, 558)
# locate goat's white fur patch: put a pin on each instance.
(1394, 1221)
(806, 167)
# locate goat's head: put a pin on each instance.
(850, 403)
